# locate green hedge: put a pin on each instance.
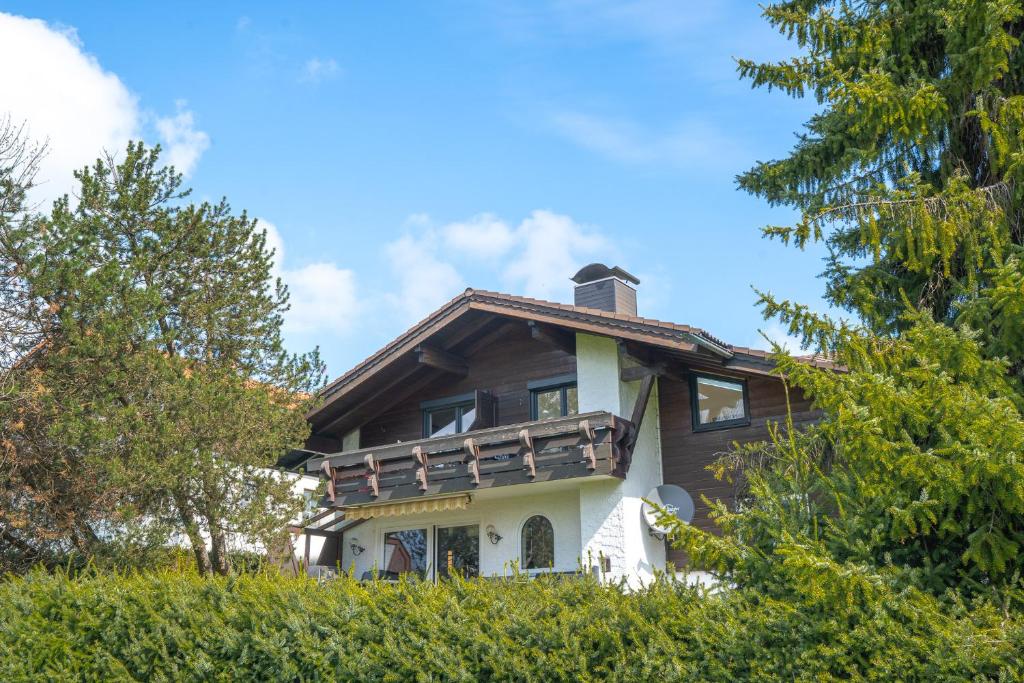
(173, 626)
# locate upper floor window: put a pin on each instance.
(718, 402)
(448, 416)
(555, 397)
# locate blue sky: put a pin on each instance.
(404, 151)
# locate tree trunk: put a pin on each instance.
(221, 563)
(195, 537)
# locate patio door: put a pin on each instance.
(457, 550)
(405, 551)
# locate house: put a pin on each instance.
(503, 430)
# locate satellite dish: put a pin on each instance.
(674, 499)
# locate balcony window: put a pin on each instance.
(557, 397)
(446, 417)
(718, 402)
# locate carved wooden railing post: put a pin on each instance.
(472, 458)
(529, 457)
(587, 435)
(328, 473)
(372, 474)
(420, 459)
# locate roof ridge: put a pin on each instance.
(471, 294)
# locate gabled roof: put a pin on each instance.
(576, 317)
(671, 337)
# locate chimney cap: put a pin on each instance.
(599, 271)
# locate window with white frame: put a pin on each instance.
(537, 543)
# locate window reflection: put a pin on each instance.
(538, 543)
(719, 400)
(406, 551)
(458, 550)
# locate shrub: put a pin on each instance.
(164, 626)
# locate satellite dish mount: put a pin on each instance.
(673, 500)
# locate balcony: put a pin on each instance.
(596, 444)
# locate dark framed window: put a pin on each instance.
(448, 416)
(538, 543)
(405, 552)
(555, 397)
(458, 551)
(718, 402)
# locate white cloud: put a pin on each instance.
(549, 249)
(690, 144)
(183, 144)
(775, 333)
(64, 96)
(316, 70)
(70, 101)
(425, 280)
(323, 296)
(482, 236)
(431, 264)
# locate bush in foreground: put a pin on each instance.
(175, 626)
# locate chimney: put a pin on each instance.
(607, 289)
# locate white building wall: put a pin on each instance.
(506, 509)
(611, 524)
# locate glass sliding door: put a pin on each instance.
(458, 551)
(405, 552)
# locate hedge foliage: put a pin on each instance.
(169, 626)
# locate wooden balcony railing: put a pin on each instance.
(585, 445)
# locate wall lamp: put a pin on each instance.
(492, 535)
(356, 548)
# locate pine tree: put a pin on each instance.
(164, 381)
(912, 173)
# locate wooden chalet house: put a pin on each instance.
(504, 430)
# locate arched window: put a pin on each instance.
(538, 543)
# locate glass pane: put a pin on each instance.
(538, 543)
(549, 404)
(572, 400)
(458, 550)
(468, 415)
(443, 421)
(406, 551)
(719, 400)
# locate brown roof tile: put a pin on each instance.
(647, 326)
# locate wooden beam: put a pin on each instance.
(601, 327)
(392, 393)
(529, 457)
(650, 363)
(467, 330)
(553, 336)
(639, 409)
(441, 360)
(472, 459)
(496, 331)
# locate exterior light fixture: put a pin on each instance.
(356, 548)
(492, 535)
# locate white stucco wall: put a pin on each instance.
(611, 524)
(507, 509)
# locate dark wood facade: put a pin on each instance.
(503, 367)
(686, 454)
